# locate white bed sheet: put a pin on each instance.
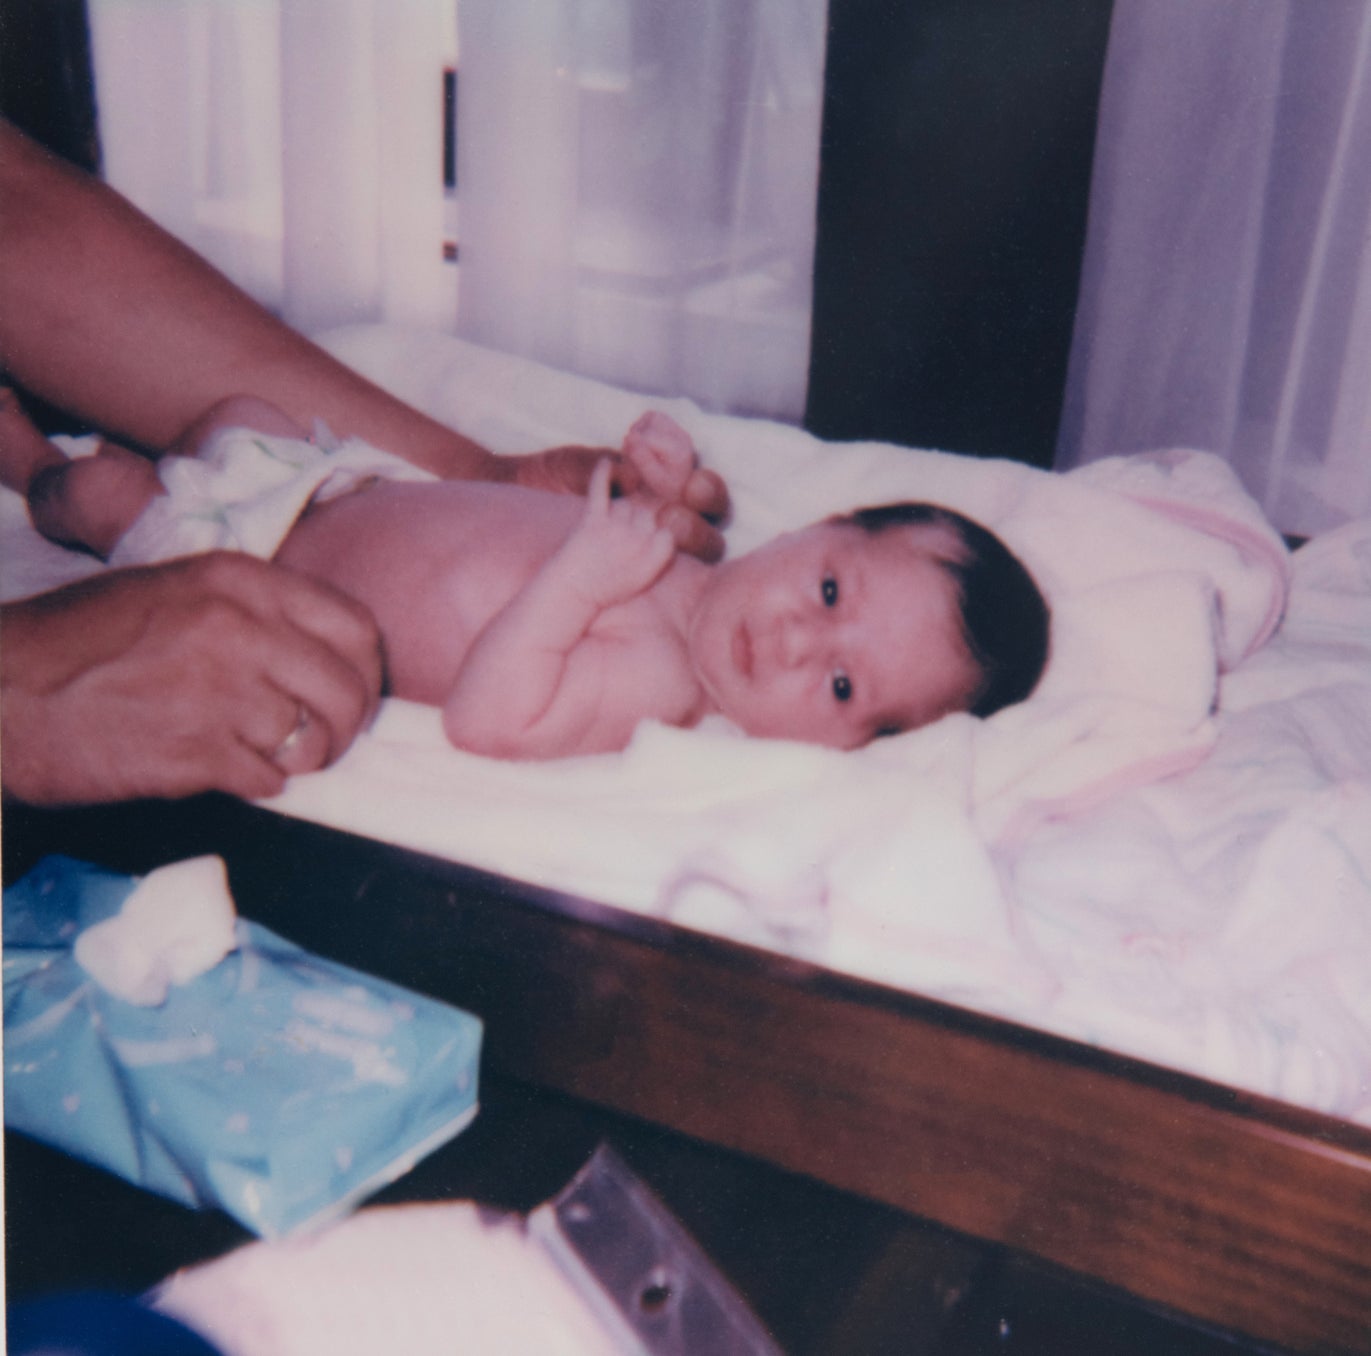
(1220, 921)
(1041, 866)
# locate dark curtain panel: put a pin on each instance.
(955, 168)
(47, 90)
(46, 86)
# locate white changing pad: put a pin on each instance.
(943, 860)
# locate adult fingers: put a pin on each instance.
(192, 701)
(707, 494)
(248, 773)
(285, 731)
(178, 747)
(314, 679)
(693, 534)
(566, 470)
(341, 625)
(339, 622)
(307, 744)
(243, 736)
(316, 647)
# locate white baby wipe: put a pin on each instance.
(178, 923)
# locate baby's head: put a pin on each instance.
(1005, 620)
(871, 623)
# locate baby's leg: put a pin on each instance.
(89, 502)
(238, 411)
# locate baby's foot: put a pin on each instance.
(91, 502)
(24, 451)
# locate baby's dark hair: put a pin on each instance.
(1005, 619)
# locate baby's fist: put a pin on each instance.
(660, 450)
(618, 550)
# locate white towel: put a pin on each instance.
(425, 1280)
(1158, 570)
(1049, 864)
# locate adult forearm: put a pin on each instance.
(107, 316)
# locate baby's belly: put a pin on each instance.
(431, 562)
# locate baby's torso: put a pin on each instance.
(434, 562)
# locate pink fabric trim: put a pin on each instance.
(1255, 548)
(1034, 815)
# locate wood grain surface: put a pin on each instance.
(1237, 1211)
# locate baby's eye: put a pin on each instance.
(842, 686)
(829, 590)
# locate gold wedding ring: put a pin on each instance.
(296, 734)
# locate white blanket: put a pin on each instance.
(943, 860)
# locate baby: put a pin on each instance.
(546, 625)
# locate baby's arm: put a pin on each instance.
(533, 681)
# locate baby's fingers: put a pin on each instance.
(661, 450)
(648, 549)
(597, 491)
(661, 549)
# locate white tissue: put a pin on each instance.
(177, 923)
(426, 1280)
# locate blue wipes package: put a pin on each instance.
(273, 1084)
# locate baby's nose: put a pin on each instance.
(795, 640)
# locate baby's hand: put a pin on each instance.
(659, 467)
(617, 550)
(660, 450)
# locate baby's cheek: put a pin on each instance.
(796, 720)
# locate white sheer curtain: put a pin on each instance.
(295, 143)
(637, 178)
(637, 185)
(1226, 294)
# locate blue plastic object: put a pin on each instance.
(278, 1086)
(94, 1324)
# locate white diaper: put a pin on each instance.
(245, 491)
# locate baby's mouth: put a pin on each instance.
(743, 656)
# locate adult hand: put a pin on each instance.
(214, 673)
(690, 512)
